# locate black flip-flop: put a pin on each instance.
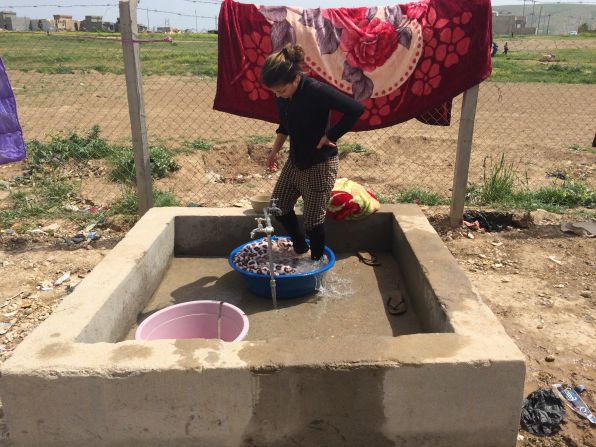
(396, 305)
(368, 258)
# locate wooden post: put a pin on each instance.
(462, 159)
(136, 102)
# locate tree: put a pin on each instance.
(583, 28)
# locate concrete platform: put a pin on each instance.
(455, 379)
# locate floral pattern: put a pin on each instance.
(427, 77)
(257, 47)
(427, 43)
(371, 45)
(252, 85)
(378, 108)
(453, 44)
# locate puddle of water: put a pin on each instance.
(334, 286)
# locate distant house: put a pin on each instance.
(42, 25)
(109, 26)
(142, 28)
(510, 25)
(65, 23)
(168, 30)
(9, 21)
(92, 24)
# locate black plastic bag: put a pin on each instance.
(542, 413)
(490, 220)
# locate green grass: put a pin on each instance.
(196, 55)
(128, 203)
(64, 53)
(498, 180)
(579, 148)
(59, 149)
(497, 190)
(260, 139)
(571, 66)
(161, 162)
(568, 194)
(47, 198)
(414, 195)
(44, 199)
(198, 144)
(348, 148)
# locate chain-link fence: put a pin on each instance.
(538, 109)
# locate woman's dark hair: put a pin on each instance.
(282, 67)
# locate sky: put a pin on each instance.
(177, 13)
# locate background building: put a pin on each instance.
(92, 24)
(511, 25)
(9, 21)
(65, 23)
(42, 25)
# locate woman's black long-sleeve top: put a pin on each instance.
(305, 118)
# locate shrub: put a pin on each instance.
(128, 204)
(60, 149)
(123, 165)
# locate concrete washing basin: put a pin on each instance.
(322, 371)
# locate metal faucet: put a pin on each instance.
(268, 229)
(259, 229)
(272, 209)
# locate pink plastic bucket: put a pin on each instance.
(195, 319)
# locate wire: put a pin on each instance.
(177, 13)
(55, 6)
(218, 2)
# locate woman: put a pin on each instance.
(304, 106)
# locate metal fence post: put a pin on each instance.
(136, 103)
(462, 158)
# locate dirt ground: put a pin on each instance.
(533, 125)
(539, 282)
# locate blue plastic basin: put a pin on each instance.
(287, 286)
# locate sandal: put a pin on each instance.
(396, 305)
(368, 258)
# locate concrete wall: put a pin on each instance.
(17, 23)
(42, 25)
(68, 384)
(509, 25)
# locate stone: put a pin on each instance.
(51, 228)
(586, 294)
(549, 358)
(521, 220)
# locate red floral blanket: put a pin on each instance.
(402, 62)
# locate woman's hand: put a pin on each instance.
(325, 142)
(272, 161)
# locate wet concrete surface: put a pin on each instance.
(351, 301)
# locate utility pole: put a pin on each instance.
(539, 16)
(148, 28)
(547, 24)
(196, 22)
(524, 13)
(533, 6)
